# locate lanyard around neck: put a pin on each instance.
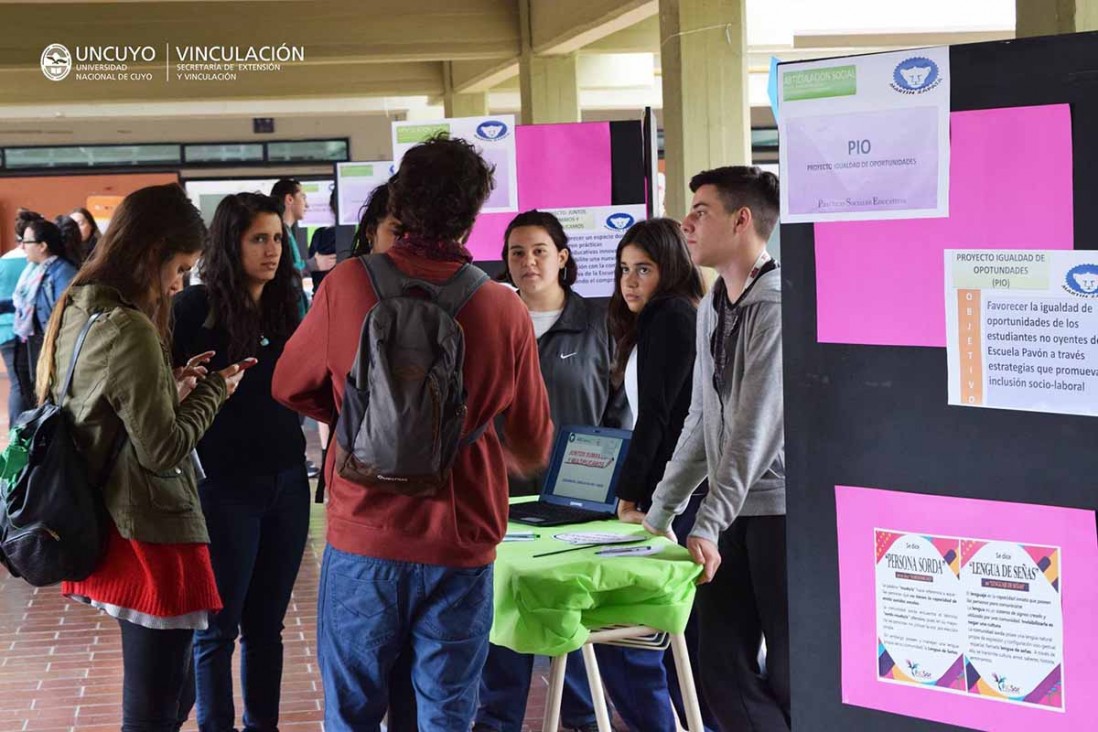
(756, 270)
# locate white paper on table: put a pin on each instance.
(630, 551)
(596, 537)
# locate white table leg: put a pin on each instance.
(556, 690)
(598, 697)
(686, 683)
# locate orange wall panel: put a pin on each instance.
(54, 195)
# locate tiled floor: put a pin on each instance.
(61, 664)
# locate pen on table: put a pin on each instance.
(588, 546)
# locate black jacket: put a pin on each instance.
(665, 367)
(575, 356)
(252, 434)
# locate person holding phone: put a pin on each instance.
(136, 436)
(255, 494)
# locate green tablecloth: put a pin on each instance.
(546, 605)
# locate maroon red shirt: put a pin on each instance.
(462, 524)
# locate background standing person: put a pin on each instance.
(255, 495)
(407, 575)
(42, 281)
(322, 249)
(89, 231)
(130, 425)
(288, 192)
(70, 236)
(734, 436)
(377, 229)
(20, 390)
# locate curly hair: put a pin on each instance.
(439, 190)
(277, 314)
(23, 217)
(662, 240)
(551, 225)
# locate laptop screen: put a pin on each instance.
(585, 466)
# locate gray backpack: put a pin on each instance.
(404, 402)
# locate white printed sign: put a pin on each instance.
(1022, 329)
(494, 138)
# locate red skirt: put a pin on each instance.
(163, 580)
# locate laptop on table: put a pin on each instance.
(581, 481)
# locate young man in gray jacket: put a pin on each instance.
(734, 437)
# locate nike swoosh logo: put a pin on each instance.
(573, 353)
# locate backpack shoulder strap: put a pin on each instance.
(458, 290)
(387, 280)
(76, 354)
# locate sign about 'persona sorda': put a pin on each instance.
(972, 617)
(163, 64)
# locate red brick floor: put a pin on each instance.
(61, 663)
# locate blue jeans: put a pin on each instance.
(371, 611)
(505, 685)
(21, 391)
(258, 528)
(636, 683)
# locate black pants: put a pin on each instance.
(747, 601)
(258, 528)
(157, 678)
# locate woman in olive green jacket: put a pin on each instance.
(156, 578)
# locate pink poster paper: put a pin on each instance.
(860, 512)
(486, 240)
(881, 282)
(559, 166)
(564, 166)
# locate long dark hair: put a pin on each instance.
(662, 240)
(372, 212)
(551, 225)
(148, 228)
(90, 219)
(70, 234)
(278, 313)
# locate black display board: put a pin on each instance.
(877, 416)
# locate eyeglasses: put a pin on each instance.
(25, 242)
